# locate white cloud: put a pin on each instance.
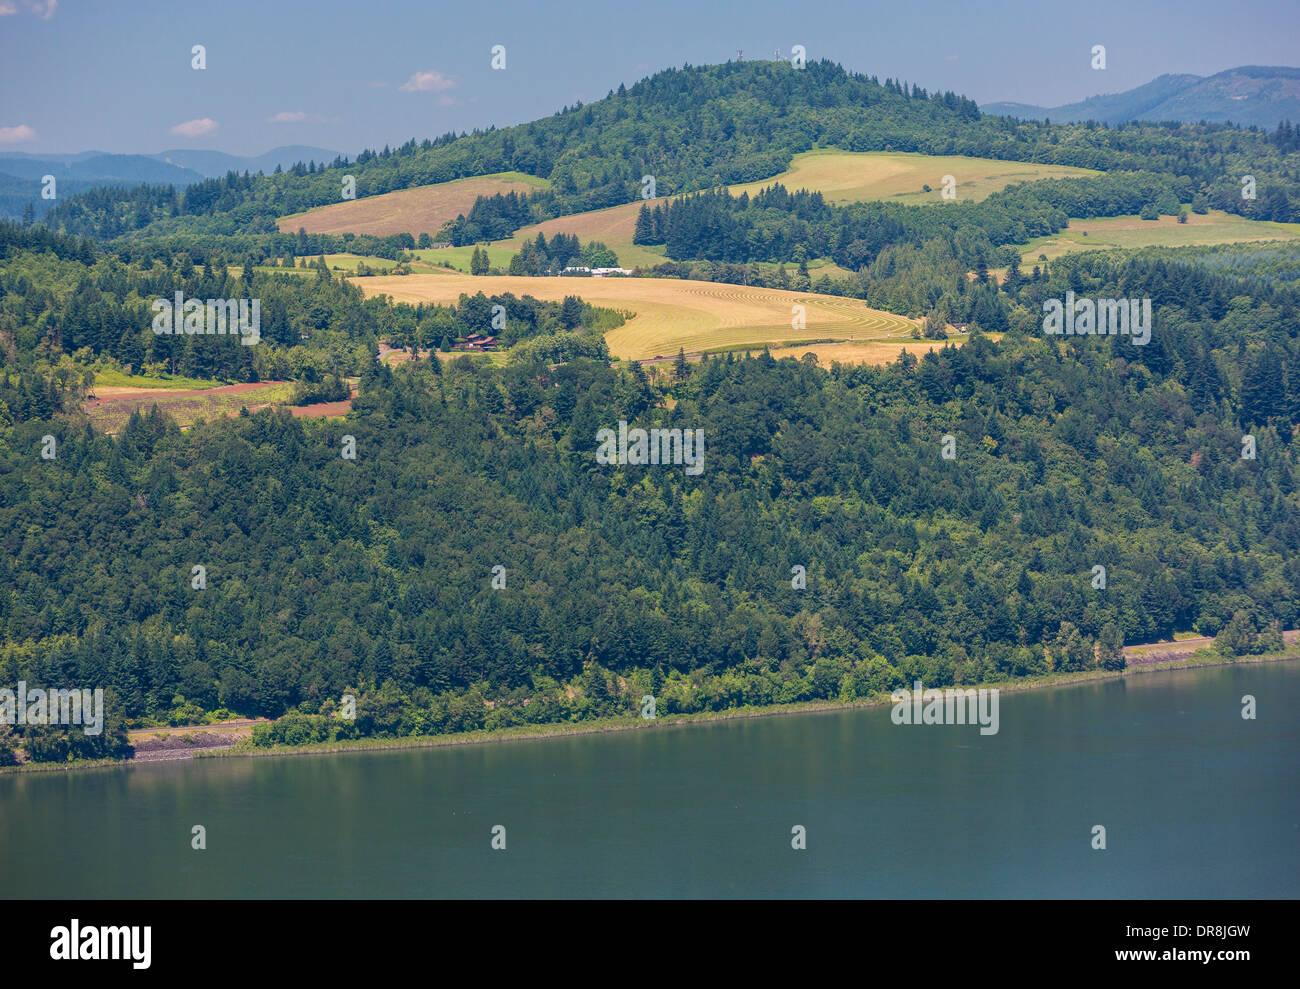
(446, 101)
(423, 81)
(295, 117)
(6, 8)
(44, 9)
(12, 135)
(195, 128)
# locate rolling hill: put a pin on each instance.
(841, 176)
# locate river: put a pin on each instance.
(1196, 802)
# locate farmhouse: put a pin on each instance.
(477, 343)
(602, 272)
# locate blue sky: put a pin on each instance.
(115, 75)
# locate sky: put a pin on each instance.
(117, 75)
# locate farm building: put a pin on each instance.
(477, 343)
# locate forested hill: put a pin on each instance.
(691, 128)
(373, 575)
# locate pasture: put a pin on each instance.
(1104, 233)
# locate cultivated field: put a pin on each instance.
(668, 314)
(895, 176)
(415, 211)
(113, 404)
(110, 382)
(841, 176)
(869, 352)
(1102, 233)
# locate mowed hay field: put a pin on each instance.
(840, 176)
(415, 211)
(1201, 229)
(896, 176)
(877, 352)
(670, 314)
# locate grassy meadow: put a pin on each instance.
(1201, 229)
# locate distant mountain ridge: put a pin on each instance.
(181, 165)
(1250, 95)
(214, 164)
(21, 173)
(96, 166)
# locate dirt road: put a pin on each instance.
(1162, 652)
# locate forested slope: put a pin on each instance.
(374, 575)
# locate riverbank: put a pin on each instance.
(1202, 658)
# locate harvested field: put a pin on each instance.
(668, 314)
(415, 211)
(322, 410)
(841, 176)
(870, 352)
(896, 176)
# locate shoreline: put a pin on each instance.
(599, 726)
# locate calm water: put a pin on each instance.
(1197, 802)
